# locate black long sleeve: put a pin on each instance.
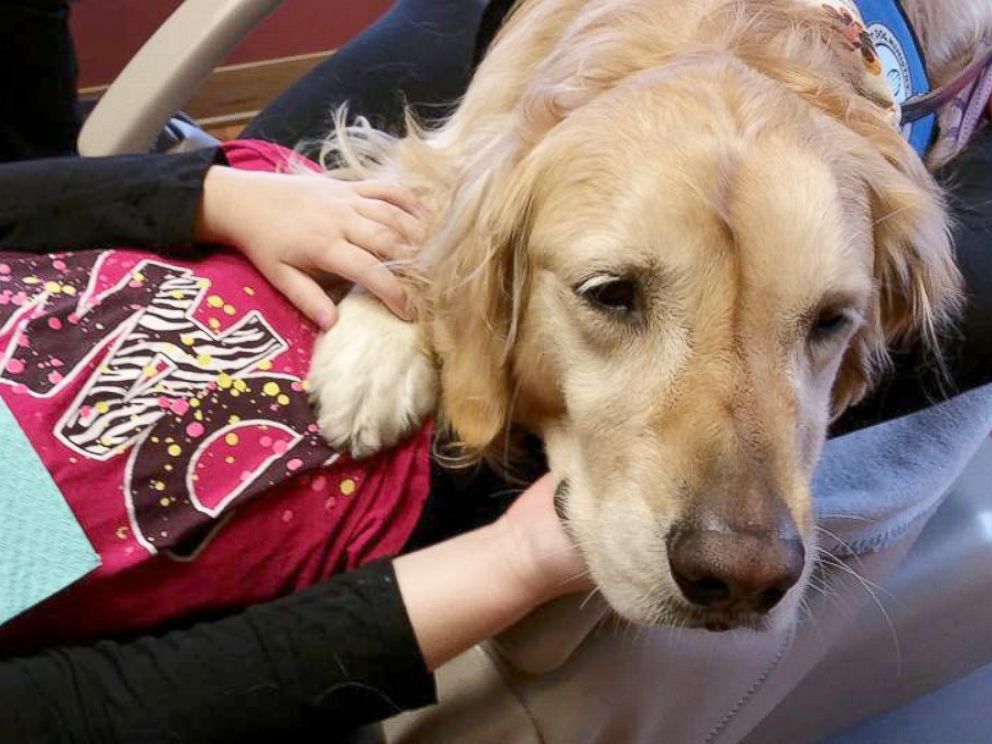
(139, 200)
(339, 655)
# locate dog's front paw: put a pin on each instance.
(371, 378)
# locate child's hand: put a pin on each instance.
(297, 229)
(463, 590)
(545, 555)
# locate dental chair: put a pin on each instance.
(897, 649)
(138, 113)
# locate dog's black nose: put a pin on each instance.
(738, 571)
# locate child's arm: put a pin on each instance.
(347, 652)
(70, 203)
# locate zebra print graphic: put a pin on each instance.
(158, 381)
(160, 360)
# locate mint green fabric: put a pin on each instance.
(42, 547)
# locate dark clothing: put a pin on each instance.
(492, 20)
(141, 200)
(338, 655)
(419, 53)
(39, 115)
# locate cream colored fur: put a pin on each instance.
(717, 152)
(370, 396)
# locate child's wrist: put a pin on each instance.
(212, 222)
(520, 558)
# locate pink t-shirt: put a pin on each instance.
(166, 397)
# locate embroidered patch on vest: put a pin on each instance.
(903, 66)
(894, 70)
(892, 57)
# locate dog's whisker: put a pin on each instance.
(825, 591)
(835, 537)
(868, 583)
(850, 517)
(872, 589)
(575, 577)
(850, 551)
(821, 579)
(588, 598)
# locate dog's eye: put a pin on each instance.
(829, 324)
(615, 294)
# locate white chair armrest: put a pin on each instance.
(166, 72)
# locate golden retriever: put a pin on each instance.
(672, 239)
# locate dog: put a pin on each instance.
(673, 240)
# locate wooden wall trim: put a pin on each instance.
(233, 94)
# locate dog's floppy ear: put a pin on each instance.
(480, 284)
(918, 286)
(917, 283)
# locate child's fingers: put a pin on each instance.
(394, 218)
(361, 267)
(305, 294)
(377, 238)
(395, 195)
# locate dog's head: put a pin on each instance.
(676, 283)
